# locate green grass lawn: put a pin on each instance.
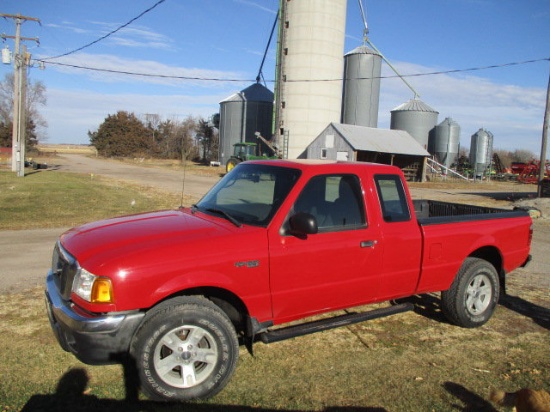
(47, 198)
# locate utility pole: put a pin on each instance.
(20, 62)
(542, 169)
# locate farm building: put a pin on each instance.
(368, 144)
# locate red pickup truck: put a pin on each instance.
(177, 292)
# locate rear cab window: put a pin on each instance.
(393, 200)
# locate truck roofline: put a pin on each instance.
(314, 163)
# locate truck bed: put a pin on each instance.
(436, 212)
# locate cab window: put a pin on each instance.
(393, 201)
(336, 202)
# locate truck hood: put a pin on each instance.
(113, 238)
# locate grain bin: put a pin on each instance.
(481, 152)
(241, 115)
(445, 144)
(361, 92)
(415, 117)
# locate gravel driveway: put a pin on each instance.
(26, 254)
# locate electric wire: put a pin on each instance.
(215, 79)
(107, 35)
(260, 74)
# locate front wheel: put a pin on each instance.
(186, 349)
(473, 295)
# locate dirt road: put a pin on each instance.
(26, 254)
(164, 179)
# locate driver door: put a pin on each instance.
(335, 268)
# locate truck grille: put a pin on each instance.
(64, 268)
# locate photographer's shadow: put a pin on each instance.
(71, 395)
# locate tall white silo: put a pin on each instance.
(361, 94)
(415, 117)
(309, 70)
(481, 151)
(446, 143)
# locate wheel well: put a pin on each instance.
(493, 256)
(228, 302)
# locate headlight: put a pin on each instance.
(92, 288)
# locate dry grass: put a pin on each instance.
(414, 361)
(410, 362)
(67, 148)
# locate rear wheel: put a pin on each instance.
(186, 349)
(473, 295)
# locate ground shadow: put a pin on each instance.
(539, 314)
(71, 395)
(471, 402)
(509, 196)
(428, 306)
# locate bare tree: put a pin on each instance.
(185, 132)
(505, 157)
(207, 136)
(35, 97)
(520, 155)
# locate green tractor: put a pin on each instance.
(248, 151)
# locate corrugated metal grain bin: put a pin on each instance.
(445, 144)
(361, 94)
(415, 117)
(481, 152)
(241, 115)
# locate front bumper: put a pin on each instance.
(93, 339)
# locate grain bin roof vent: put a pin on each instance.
(415, 105)
(362, 50)
(255, 93)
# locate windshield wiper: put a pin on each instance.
(226, 215)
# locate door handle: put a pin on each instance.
(368, 243)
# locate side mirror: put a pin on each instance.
(303, 224)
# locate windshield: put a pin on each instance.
(250, 193)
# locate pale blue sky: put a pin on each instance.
(225, 39)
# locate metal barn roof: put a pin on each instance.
(379, 140)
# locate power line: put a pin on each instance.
(107, 35)
(163, 76)
(213, 79)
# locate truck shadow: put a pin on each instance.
(429, 306)
(539, 314)
(71, 395)
(509, 196)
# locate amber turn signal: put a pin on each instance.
(102, 291)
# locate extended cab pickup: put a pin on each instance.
(176, 292)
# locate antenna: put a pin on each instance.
(366, 40)
(184, 155)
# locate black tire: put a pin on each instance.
(231, 163)
(473, 295)
(187, 348)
